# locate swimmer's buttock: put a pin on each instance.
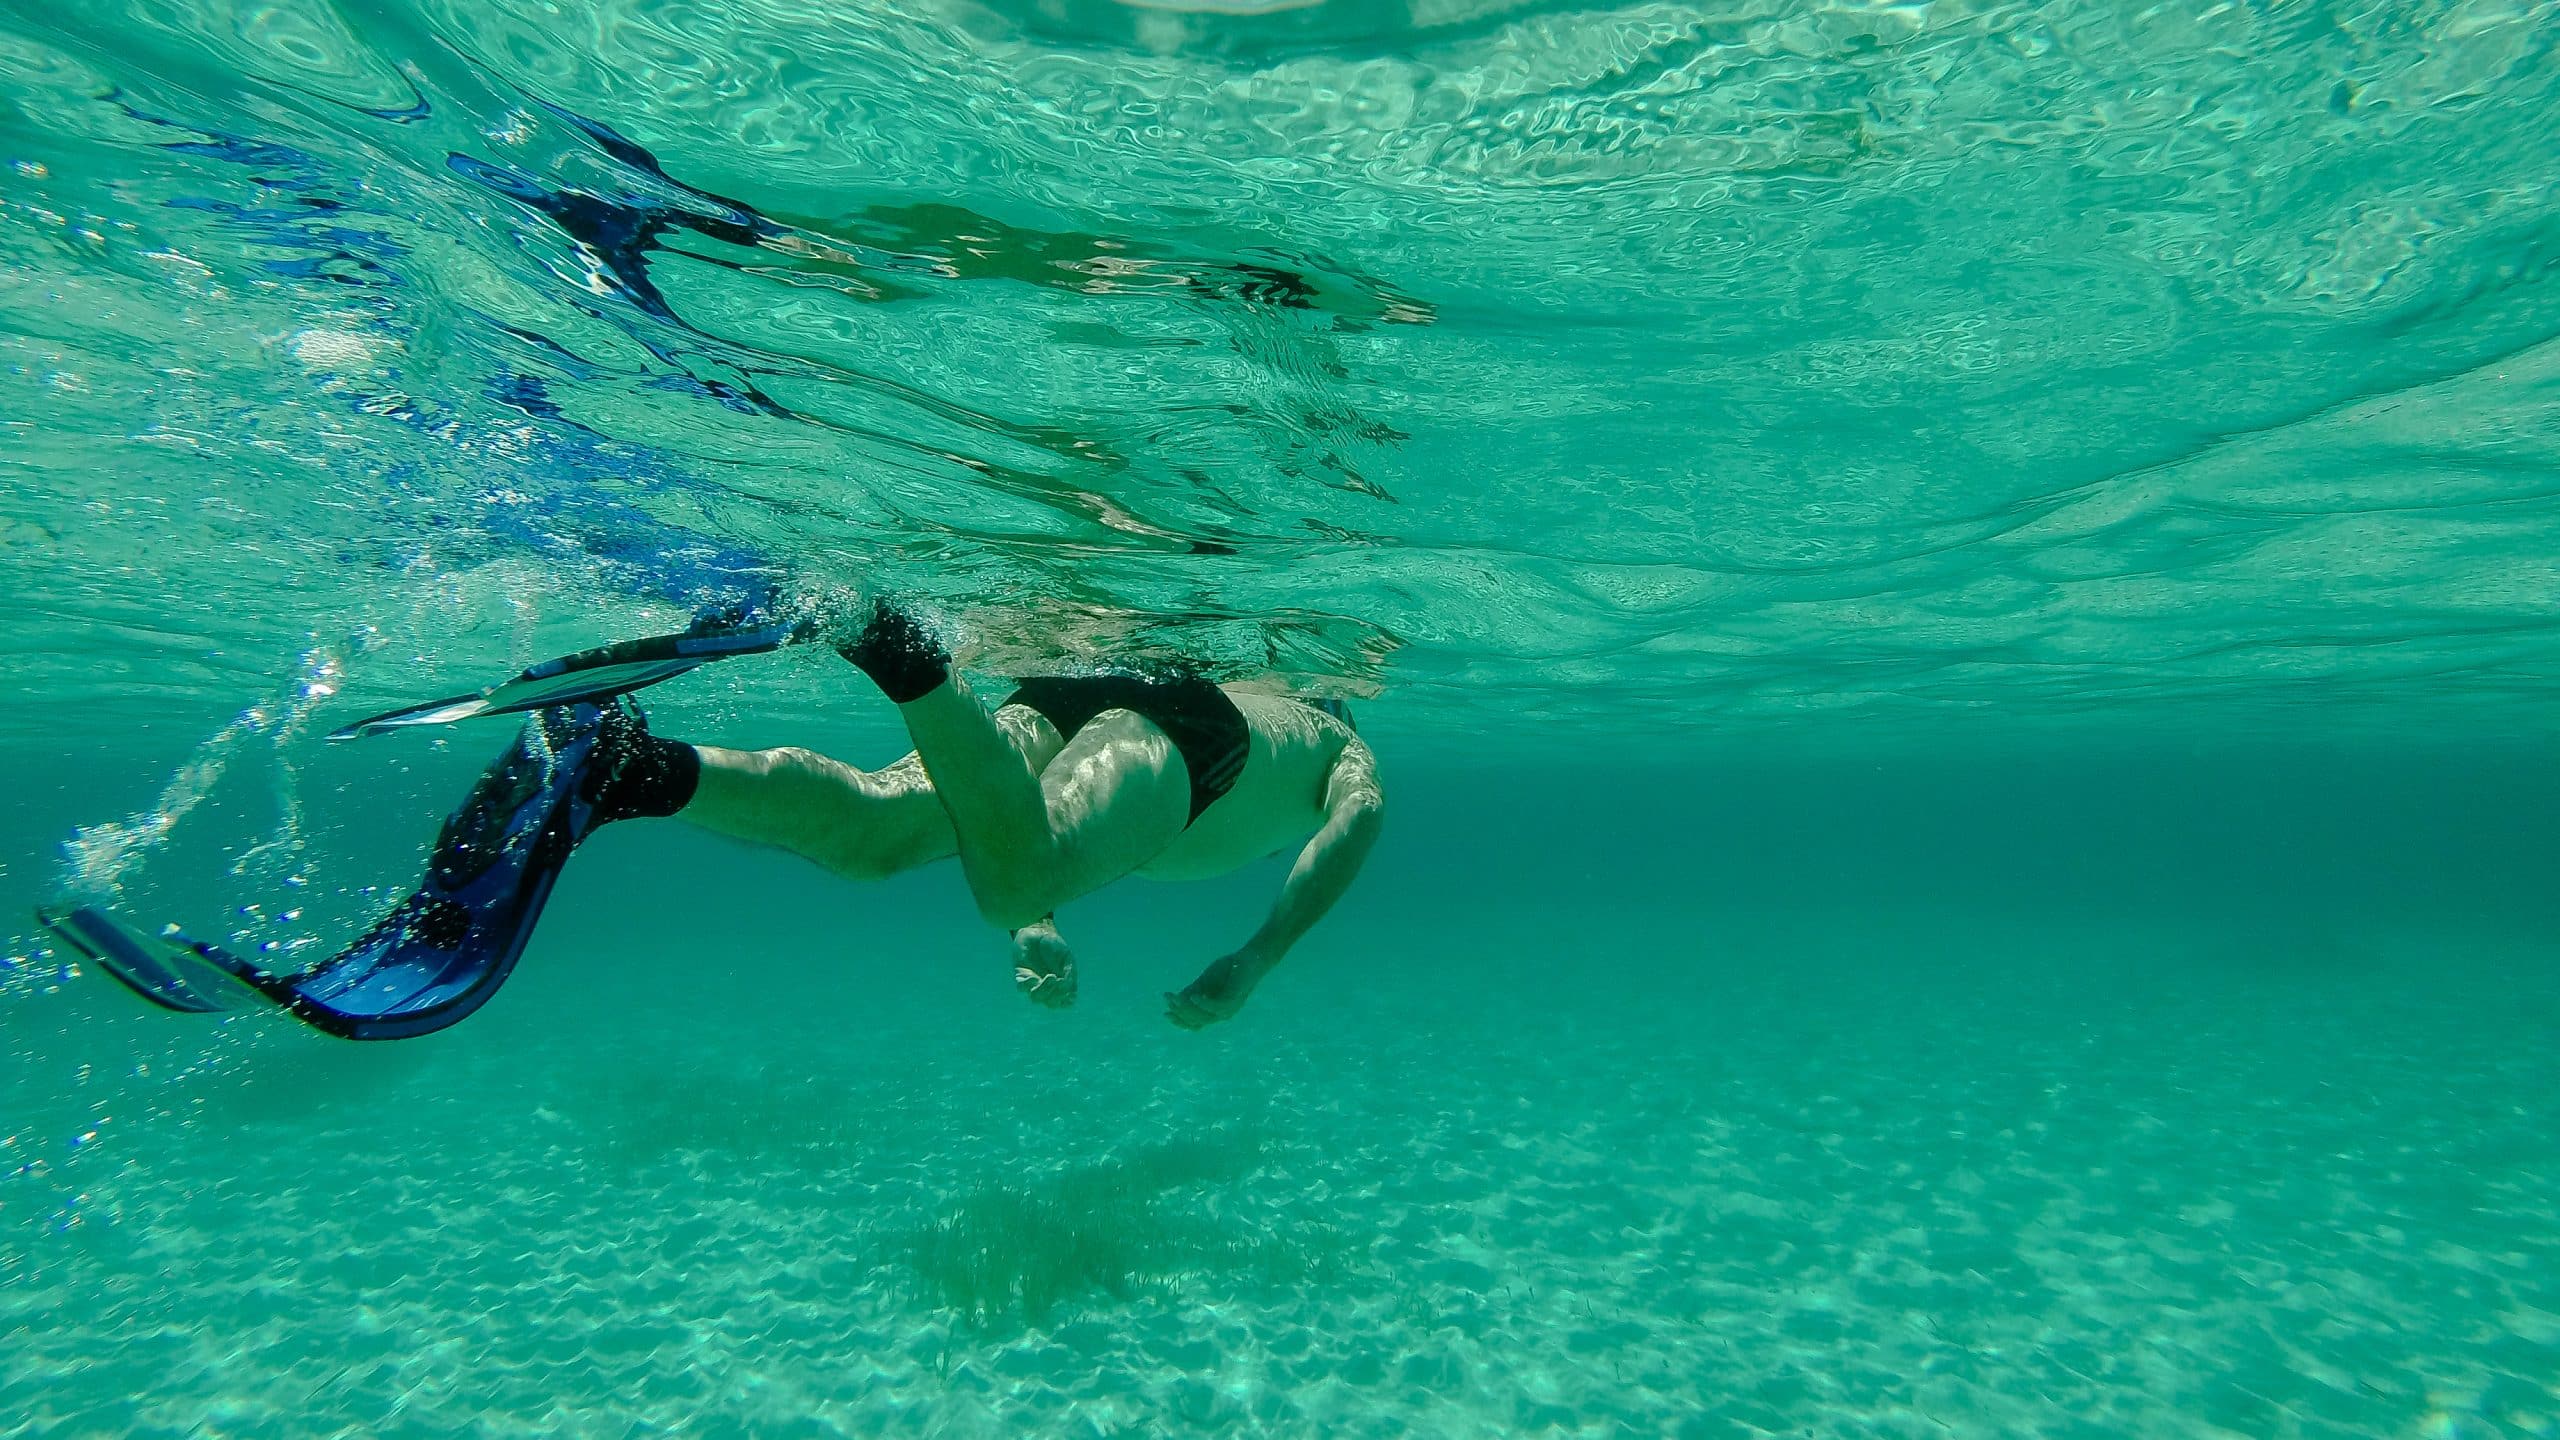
(1203, 724)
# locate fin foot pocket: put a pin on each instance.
(900, 657)
(442, 952)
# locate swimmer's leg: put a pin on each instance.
(1030, 839)
(870, 825)
(863, 825)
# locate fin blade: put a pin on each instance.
(167, 974)
(587, 676)
(433, 712)
(586, 685)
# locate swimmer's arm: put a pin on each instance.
(1354, 808)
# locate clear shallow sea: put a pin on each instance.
(1960, 603)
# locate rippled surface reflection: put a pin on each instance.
(1624, 365)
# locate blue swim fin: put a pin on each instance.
(440, 954)
(589, 676)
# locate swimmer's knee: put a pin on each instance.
(1010, 902)
(861, 867)
(796, 758)
(1012, 912)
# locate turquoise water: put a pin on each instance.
(1960, 604)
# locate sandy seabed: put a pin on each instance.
(1459, 1180)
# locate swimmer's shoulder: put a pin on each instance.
(1265, 711)
(1293, 731)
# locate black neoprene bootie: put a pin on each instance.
(635, 773)
(904, 661)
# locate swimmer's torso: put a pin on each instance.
(1277, 801)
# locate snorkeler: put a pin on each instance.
(1069, 784)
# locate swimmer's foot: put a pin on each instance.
(899, 655)
(634, 773)
(1044, 970)
(1218, 994)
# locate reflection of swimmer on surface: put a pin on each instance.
(1068, 785)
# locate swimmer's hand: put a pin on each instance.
(1220, 991)
(1044, 969)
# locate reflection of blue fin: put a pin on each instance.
(440, 954)
(586, 677)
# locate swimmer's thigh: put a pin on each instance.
(1117, 795)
